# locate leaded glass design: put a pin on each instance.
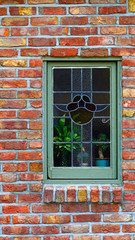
(81, 116)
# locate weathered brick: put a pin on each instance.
(7, 73)
(129, 186)
(34, 52)
(119, 237)
(59, 194)
(14, 21)
(29, 198)
(87, 218)
(75, 208)
(75, 228)
(4, 219)
(130, 72)
(94, 194)
(14, 187)
(36, 167)
(30, 177)
(105, 208)
(42, 42)
(55, 219)
(48, 194)
(123, 52)
(130, 176)
(41, 21)
(106, 195)
(102, 1)
(36, 187)
(128, 93)
(13, 63)
(29, 93)
(46, 208)
(4, 32)
(43, 230)
(117, 218)
(12, 42)
(103, 20)
(40, 1)
(30, 114)
(128, 207)
(29, 219)
(7, 198)
(22, 11)
(128, 228)
(29, 156)
(5, 83)
(36, 83)
(13, 125)
(71, 1)
(128, 113)
(74, 20)
(15, 167)
(13, 145)
(36, 125)
(36, 62)
(8, 53)
(7, 135)
(94, 52)
(15, 209)
(113, 31)
(7, 156)
(128, 144)
(23, 31)
(7, 177)
(13, 2)
(54, 31)
(12, 104)
(86, 237)
(13, 230)
(83, 31)
(57, 238)
(132, 30)
(71, 41)
(36, 104)
(101, 40)
(112, 10)
(30, 135)
(129, 197)
(117, 194)
(82, 194)
(64, 52)
(105, 228)
(128, 123)
(82, 10)
(3, 11)
(52, 10)
(128, 155)
(71, 194)
(7, 114)
(26, 238)
(33, 73)
(128, 82)
(127, 20)
(128, 165)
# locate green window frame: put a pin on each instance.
(111, 174)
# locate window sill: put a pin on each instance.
(80, 194)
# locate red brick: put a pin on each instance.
(5, 83)
(14, 63)
(42, 42)
(128, 144)
(114, 31)
(36, 125)
(13, 145)
(82, 10)
(64, 52)
(83, 31)
(75, 208)
(123, 52)
(30, 114)
(128, 207)
(128, 82)
(7, 156)
(22, 11)
(8, 53)
(71, 194)
(71, 1)
(14, 21)
(5, 115)
(36, 62)
(102, 1)
(128, 62)
(7, 73)
(36, 187)
(34, 52)
(4, 32)
(57, 238)
(54, 31)
(101, 40)
(13, 230)
(117, 218)
(106, 195)
(14, 188)
(52, 10)
(117, 194)
(7, 135)
(119, 237)
(30, 177)
(46, 208)
(27, 238)
(48, 194)
(105, 228)
(7, 94)
(129, 197)
(9, 209)
(4, 219)
(129, 155)
(59, 194)
(7, 177)
(43, 230)
(128, 134)
(74, 20)
(40, 1)
(130, 72)
(18, 104)
(129, 186)
(3, 11)
(41, 21)
(8, 198)
(112, 10)
(94, 194)
(36, 83)
(29, 156)
(13, 125)
(128, 123)
(127, 20)
(29, 135)
(130, 176)
(128, 165)
(87, 237)
(23, 31)
(94, 52)
(36, 104)
(55, 219)
(72, 41)
(75, 228)
(105, 208)
(128, 228)
(29, 198)
(26, 219)
(126, 41)
(13, 2)
(14, 167)
(33, 73)
(36, 167)
(87, 218)
(29, 93)
(132, 30)
(102, 20)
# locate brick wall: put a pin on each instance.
(31, 29)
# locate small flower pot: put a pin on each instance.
(102, 162)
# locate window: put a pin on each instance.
(82, 130)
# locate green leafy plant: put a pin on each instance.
(101, 146)
(63, 139)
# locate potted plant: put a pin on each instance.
(63, 141)
(102, 160)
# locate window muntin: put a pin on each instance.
(74, 172)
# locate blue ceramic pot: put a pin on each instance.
(102, 162)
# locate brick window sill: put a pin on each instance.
(78, 194)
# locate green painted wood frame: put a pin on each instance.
(62, 175)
